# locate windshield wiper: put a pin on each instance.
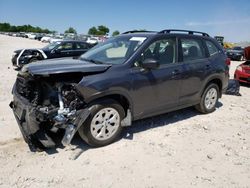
(93, 61)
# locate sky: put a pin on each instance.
(228, 18)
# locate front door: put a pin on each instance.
(65, 49)
(157, 90)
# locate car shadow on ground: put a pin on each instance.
(162, 120)
(244, 85)
(138, 126)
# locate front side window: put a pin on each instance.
(212, 49)
(52, 45)
(161, 50)
(115, 50)
(192, 49)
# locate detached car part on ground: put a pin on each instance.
(59, 49)
(242, 72)
(128, 77)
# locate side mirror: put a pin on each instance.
(150, 63)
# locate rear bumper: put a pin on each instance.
(242, 77)
(36, 125)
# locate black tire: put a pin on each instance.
(33, 60)
(201, 107)
(85, 130)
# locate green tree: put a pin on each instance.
(100, 30)
(70, 30)
(6, 27)
(115, 33)
(103, 30)
(92, 31)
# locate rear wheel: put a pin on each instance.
(209, 99)
(103, 126)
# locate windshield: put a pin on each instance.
(114, 51)
(52, 45)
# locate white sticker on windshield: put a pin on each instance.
(139, 39)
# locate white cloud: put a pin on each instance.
(225, 22)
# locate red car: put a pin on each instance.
(242, 72)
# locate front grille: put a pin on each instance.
(28, 89)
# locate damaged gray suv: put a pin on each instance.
(129, 77)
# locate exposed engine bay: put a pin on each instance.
(57, 96)
(50, 105)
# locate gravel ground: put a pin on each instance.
(178, 149)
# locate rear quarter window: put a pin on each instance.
(212, 49)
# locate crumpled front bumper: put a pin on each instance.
(32, 123)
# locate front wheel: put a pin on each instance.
(103, 126)
(208, 99)
(33, 60)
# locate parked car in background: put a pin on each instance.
(92, 40)
(45, 39)
(242, 72)
(39, 36)
(128, 77)
(236, 53)
(54, 50)
(51, 40)
(31, 35)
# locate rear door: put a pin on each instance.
(80, 48)
(196, 67)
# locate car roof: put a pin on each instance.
(180, 33)
(72, 41)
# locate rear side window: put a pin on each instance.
(81, 46)
(212, 49)
(192, 49)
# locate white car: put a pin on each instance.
(31, 36)
(46, 39)
(92, 40)
(55, 40)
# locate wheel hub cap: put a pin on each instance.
(211, 98)
(105, 123)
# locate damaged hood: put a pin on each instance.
(57, 66)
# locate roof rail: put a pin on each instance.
(137, 31)
(187, 31)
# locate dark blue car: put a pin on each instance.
(129, 77)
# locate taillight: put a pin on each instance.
(239, 68)
(228, 62)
